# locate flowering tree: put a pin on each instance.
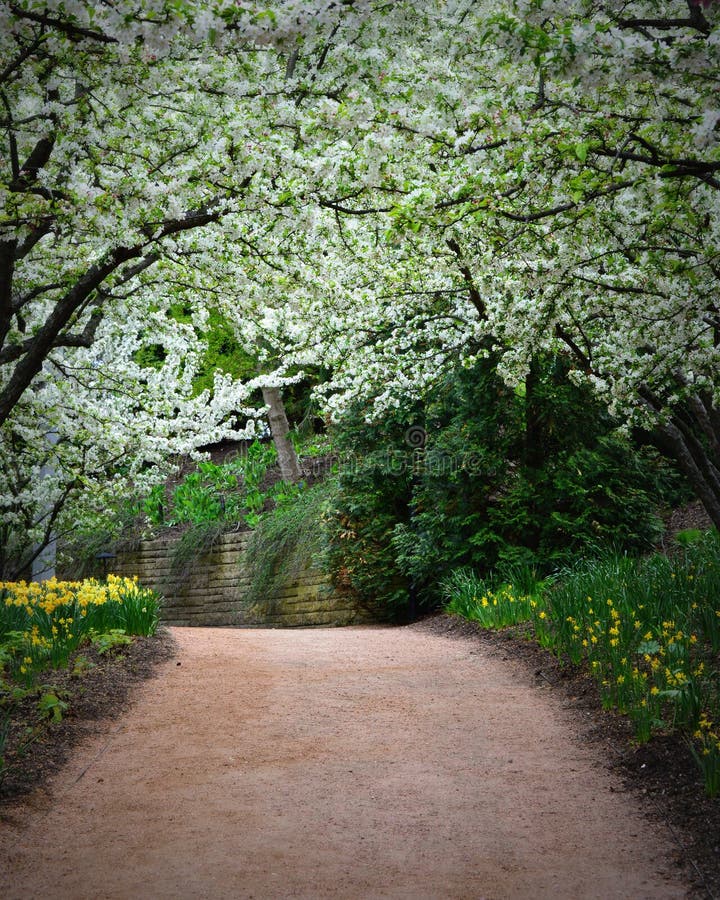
(550, 183)
(131, 132)
(378, 187)
(611, 245)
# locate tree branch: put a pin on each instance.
(473, 292)
(684, 166)
(37, 233)
(74, 32)
(84, 339)
(563, 207)
(30, 364)
(695, 20)
(572, 344)
(20, 59)
(7, 269)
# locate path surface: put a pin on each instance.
(335, 763)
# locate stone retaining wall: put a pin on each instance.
(214, 591)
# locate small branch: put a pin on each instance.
(37, 233)
(473, 292)
(563, 207)
(331, 204)
(540, 98)
(291, 63)
(16, 63)
(565, 337)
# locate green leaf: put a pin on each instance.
(52, 705)
(581, 151)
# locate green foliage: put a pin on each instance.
(213, 493)
(153, 506)
(118, 520)
(527, 478)
(543, 474)
(650, 632)
(81, 666)
(41, 627)
(110, 640)
(314, 446)
(135, 611)
(215, 498)
(287, 537)
(375, 483)
(52, 705)
(689, 536)
(254, 467)
(195, 499)
(223, 354)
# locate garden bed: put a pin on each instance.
(660, 773)
(37, 746)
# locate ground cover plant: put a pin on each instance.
(45, 625)
(232, 490)
(646, 628)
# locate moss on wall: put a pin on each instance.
(213, 591)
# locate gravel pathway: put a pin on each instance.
(335, 763)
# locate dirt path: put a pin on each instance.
(335, 763)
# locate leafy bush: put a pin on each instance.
(529, 478)
(374, 494)
(195, 500)
(229, 492)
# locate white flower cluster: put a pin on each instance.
(379, 189)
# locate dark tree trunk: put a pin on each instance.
(534, 450)
(695, 461)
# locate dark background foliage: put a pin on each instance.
(529, 477)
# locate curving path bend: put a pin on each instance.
(335, 763)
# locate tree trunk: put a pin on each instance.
(45, 553)
(695, 463)
(279, 429)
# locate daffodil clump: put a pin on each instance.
(649, 631)
(706, 749)
(42, 623)
(469, 597)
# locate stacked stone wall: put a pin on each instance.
(214, 591)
